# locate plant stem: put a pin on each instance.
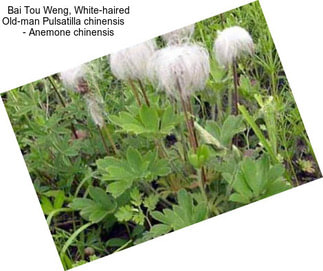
(190, 132)
(229, 107)
(63, 103)
(190, 110)
(107, 132)
(55, 212)
(123, 246)
(56, 91)
(103, 140)
(201, 182)
(144, 93)
(72, 237)
(235, 81)
(135, 92)
(219, 106)
(128, 230)
(258, 132)
(222, 20)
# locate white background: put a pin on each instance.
(283, 232)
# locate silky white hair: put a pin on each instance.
(231, 44)
(179, 36)
(187, 65)
(131, 63)
(72, 77)
(95, 107)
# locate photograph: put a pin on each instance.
(161, 135)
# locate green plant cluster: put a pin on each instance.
(97, 203)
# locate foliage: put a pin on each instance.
(184, 214)
(256, 179)
(103, 189)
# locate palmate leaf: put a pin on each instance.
(135, 167)
(231, 126)
(97, 208)
(184, 214)
(149, 121)
(257, 179)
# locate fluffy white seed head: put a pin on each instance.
(131, 63)
(72, 77)
(179, 36)
(187, 65)
(95, 109)
(231, 44)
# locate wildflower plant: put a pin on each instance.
(132, 146)
(230, 45)
(130, 65)
(179, 36)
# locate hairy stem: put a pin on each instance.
(134, 91)
(235, 94)
(62, 102)
(103, 140)
(107, 132)
(144, 93)
(187, 120)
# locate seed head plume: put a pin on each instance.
(231, 44)
(179, 36)
(95, 107)
(131, 63)
(71, 77)
(75, 79)
(187, 65)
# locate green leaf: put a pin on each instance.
(97, 215)
(81, 203)
(103, 199)
(239, 198)
(97, 209)
(231, 126)
(134, 159)
(151, 201)
(257, 179)
(199, 158)
(46, 205)
(139, 218)
(183, 214)
(149, 118)
(59, 200)
(119, 187)
(124, 213)
(116, 242)
(258, 132)
(155, 231)
(136, 197)
(207, 137)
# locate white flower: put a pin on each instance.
(72, 77)
(187, 65)
(95, 109)
(179, 36)
(231, 44)
(131, 63)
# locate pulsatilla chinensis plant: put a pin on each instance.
(230, 45)
(135, 145)
(76, 80)
(130, 65)
(179, 36)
